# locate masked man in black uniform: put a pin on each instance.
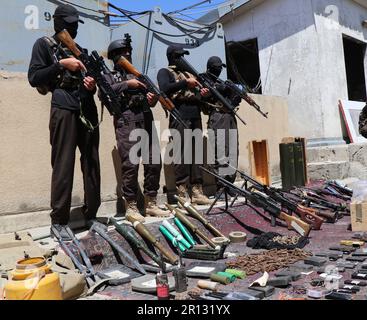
(136, 104)
(224, 124)
(52, 70)
(185, 92)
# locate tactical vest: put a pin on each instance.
(184, 95)
(67, 80)
(133, 98)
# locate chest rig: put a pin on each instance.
(67, 80)
(184, 95)
(132, 98)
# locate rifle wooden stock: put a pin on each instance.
(295, 223)
(181, 216)
(145, 233)
(69, 42)
(196, 214)
(129, 67)
(309, 215)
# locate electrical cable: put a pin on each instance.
(155, 31)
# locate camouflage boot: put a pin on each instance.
(132, 212)
(152, 209)
(183, 193)
(198, 197)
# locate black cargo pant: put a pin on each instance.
(187, 174)
(152, 163)
(67, 133)
(221, 123)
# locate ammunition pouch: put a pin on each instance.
(185, 96)
(363, 122)
(69, 81)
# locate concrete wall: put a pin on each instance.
(24, 21)
(301, 57)
(25, 170)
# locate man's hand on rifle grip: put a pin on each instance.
(89, 83)
(72, 64)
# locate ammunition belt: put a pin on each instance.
(268, 261)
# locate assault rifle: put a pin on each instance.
(96, 68)
(306, 214)
(208, 84)
(242, 93)
(309, 194)
(265, 202)
(165, 102)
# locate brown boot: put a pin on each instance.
(152, 209)
(183, 193)
(132, 212)
(198, 197)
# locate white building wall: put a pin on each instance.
(302, 58)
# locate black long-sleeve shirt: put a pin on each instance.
(45, 71)
(168, 84)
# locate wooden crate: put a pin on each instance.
(259, 161)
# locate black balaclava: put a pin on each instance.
(215, 66)
(60, 24)
(175, 51)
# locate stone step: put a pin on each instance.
(358, 153)
(329, 153)
(328, 170)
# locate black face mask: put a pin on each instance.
(216, 71)
(60, 24)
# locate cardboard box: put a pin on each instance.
(358, 214)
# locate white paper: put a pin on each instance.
(150, 284)
(202, 269)
(116, 274)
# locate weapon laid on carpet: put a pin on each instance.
(185, 232)
(309, 194)
(146, 234)
(172, 239)
(202, 252)
(266, 203)
(181, 216)
(178, 236)
(129, 234)
(342, 189)
(101, 229)
(206, 83)
(324, 212)
(166, 103)
(308, 215)
(96, 67)
(87, 270)
(242, 93)
(197, 215)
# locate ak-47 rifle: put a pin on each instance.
(306, 214)
(165, 102)
(265, 202)
(208, 84)
(242, 93)
(342, 189)
(309, 194)
(96, 68)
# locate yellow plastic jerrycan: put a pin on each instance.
(33, 279)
